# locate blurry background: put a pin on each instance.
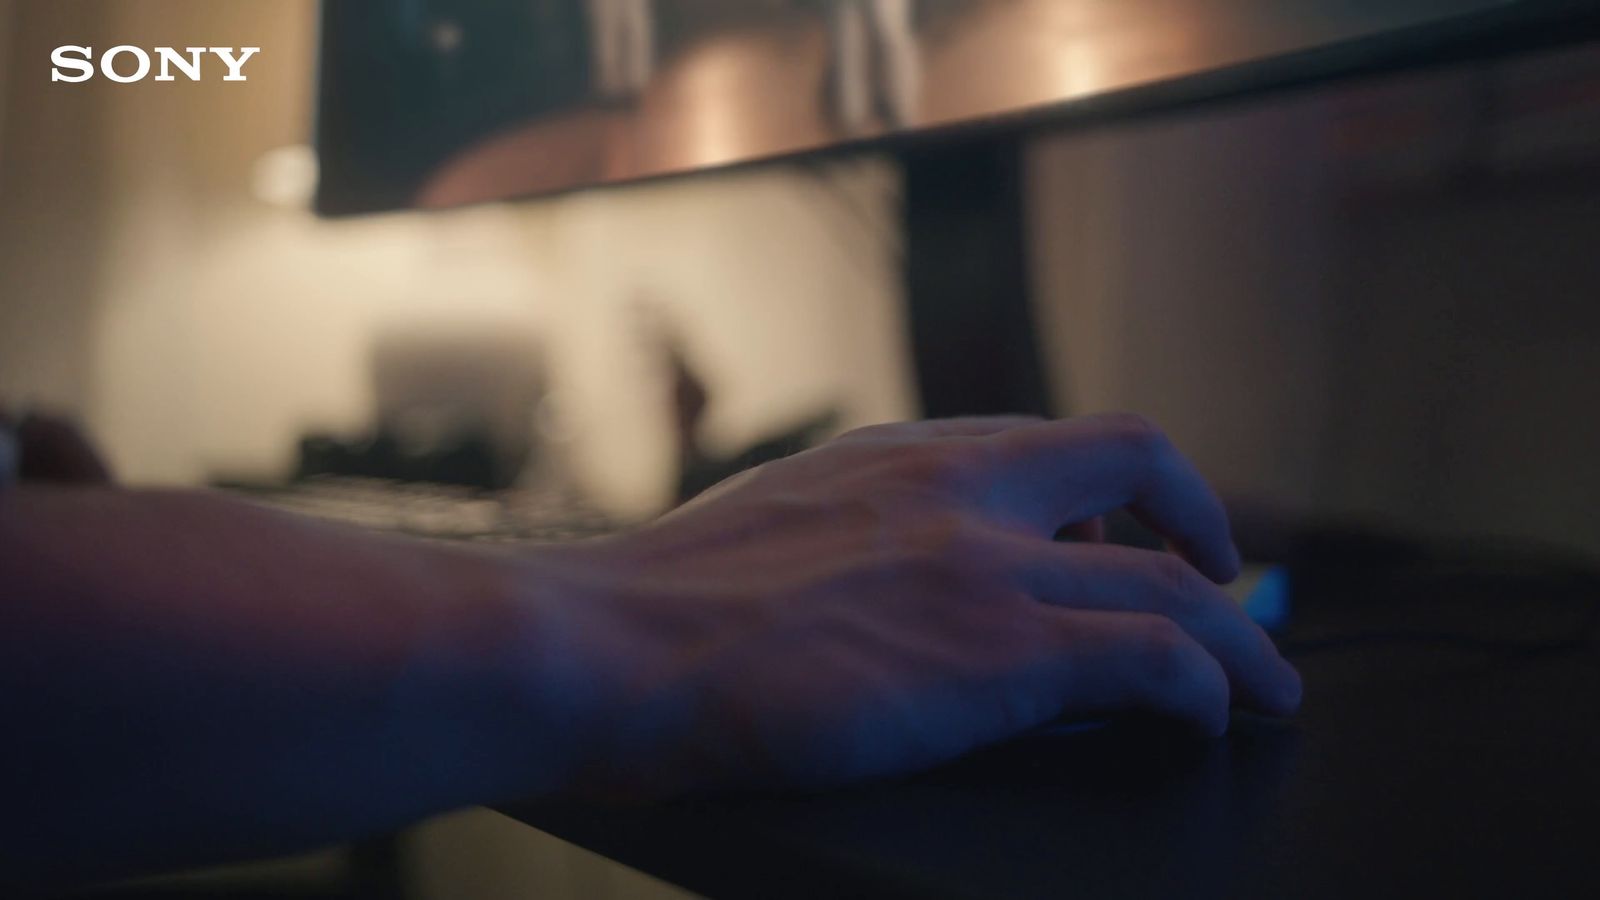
(1375, 302)
(164, 277)
(611, 90)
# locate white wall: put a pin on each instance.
(201, 331)
(218, 349)
(789, 306)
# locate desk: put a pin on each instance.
(1464, 761)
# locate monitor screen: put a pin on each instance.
(438, 103)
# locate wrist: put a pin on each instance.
(528, 663)
(600, 670)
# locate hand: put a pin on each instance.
(895, 599)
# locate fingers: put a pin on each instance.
(1115, 662)
(1051, 473)
(1126, 580)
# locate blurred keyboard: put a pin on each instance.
(437, 512)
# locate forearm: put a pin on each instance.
(187, 678)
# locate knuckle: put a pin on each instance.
(951, 552)
(1168, 653)
(1132, 423)
(949, 540)
(1138, 434)
(1181, 588)
(923, 466)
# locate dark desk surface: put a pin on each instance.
(1454, 752)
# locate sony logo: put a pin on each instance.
(126, 64)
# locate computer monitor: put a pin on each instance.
(437, 103)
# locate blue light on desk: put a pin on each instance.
(1267, 603)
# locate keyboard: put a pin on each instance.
(437, 512)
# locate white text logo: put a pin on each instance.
(127, 64)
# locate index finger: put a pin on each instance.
(1060, 473)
